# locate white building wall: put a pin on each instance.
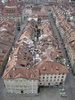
(24, 86)
(51, 79)
(21, 86)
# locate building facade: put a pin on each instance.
(13, 9)
(21, 86)
(51, 79)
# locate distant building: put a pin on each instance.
(43, 15)
(36, 8)
(13, 9)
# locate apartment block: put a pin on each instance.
(14, 10)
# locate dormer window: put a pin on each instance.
(24, 57)
(57, 68)
(3, 51)
(22, 65)
(44, 68)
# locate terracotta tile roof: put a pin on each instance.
(69, 31)
(46, 29)
(36, 7)
(50, 67)
(27, 34)
(12, 2)
(71, 50)
(23, 72)
(43, 12)
(6, 40)
(22, 61)
(43, 47)
(70, 38)
(13, 8)
(13, 11)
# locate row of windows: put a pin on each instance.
(52, 77)
(49, 83)
(22, 86)
(25, 80)
(12, 90)
(52, 80)
(53, 74)
(8, 86)
(10, 11)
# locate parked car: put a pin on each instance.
(62, 93)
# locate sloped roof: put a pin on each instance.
(43, 12)
(50, 67)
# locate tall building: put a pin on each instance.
(13, 10)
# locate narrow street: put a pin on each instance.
(17, 33)
(70, 83)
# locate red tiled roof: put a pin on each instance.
(6, 40)
(22, 62)
(49, 67)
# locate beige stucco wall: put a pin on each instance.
(20, 85)
(51, 79)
